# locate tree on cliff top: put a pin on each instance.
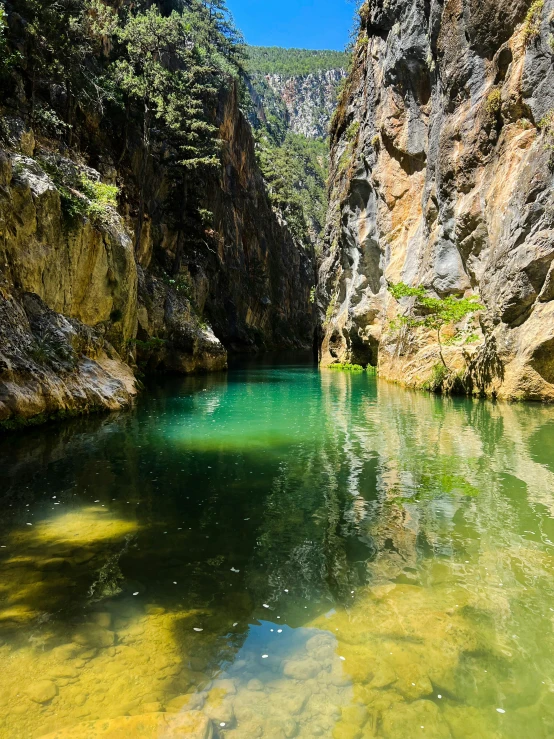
(163, 62)
(161, 68)
(293, 62)
(435, 313)
(172, 67)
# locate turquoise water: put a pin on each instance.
(280, 552)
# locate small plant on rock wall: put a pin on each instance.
(546, 125)
(493, 105)
(50, 348)
(80, 196)
(330, 310)
(47, 120)
(439, 375)
(432, 313)
(533, 20)
(182, 284)
(99, 192)
(352, 131)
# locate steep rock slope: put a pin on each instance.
(308, 100)
(67, 301)
(294, 89)
(80, 306)
(246, 276)
(259, 293)
(442, 178)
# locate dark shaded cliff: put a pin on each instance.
(259, 293)
(442, 178)
(244, 273)
(84, 305)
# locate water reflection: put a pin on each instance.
(280, 552)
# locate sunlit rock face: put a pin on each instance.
(441, 177)
(68, 294)
(309, 99)
(83, 302)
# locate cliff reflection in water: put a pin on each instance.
(391, 553)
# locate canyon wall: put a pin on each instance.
(301, 103)
(309, 99)
(82, 308)
(442, 177)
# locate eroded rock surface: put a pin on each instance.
(442, 177)
(84, 302)
(309, 99)
(67, 302)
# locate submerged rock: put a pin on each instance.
(416, 715)
(301, 669)
(94, 636)
(191, 724)
(41, 691)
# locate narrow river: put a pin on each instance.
(291, 553)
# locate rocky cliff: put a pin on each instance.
(294, 89)
(305, 103)
(245, 276)
(442, 179)
(81, 307)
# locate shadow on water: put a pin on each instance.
(409, 536)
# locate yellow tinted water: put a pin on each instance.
(380, 566)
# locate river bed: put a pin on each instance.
(280, 552)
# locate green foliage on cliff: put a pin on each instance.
(430, 312)
(155, 68)
(533, 20)
(293, 62)
(295, 172)
(493, 104)
(79, 195)
(294, 166)
(7, 58)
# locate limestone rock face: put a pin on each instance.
(67, 302)
(309, 100)
(442, 177)
(182, 342)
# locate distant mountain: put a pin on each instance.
(292, 96)
(294, 89)
(294, 62)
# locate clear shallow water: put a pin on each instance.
(288, 552)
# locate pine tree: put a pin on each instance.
(161, 69)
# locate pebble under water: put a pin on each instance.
(280, 552)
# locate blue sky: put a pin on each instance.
(306, 24)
